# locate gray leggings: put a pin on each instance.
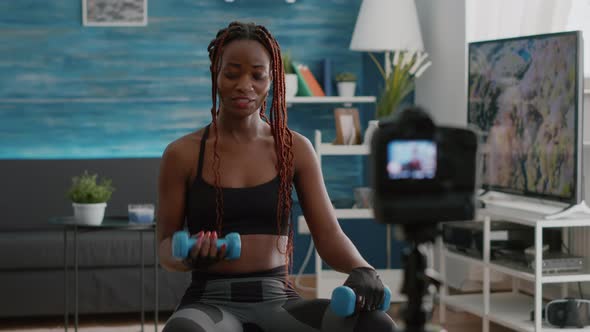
(263, 302)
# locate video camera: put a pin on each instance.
(421, 174)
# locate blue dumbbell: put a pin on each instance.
(182, 244)
(344, 301)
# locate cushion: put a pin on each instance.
(107, 290)
(44, 249)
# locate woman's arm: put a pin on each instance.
(330, 241)
(171, 195)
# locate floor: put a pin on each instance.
(456, 321)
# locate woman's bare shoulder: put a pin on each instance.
(301, 142)
(184, 150)
(303, 151)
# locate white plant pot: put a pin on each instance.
(291, 83)
(89, 214)
(346, 89)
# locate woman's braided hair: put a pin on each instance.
(283, 137)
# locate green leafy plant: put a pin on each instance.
(404, 68)
(86, 190)
(346, 77)
(288, 63)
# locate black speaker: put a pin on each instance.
(568, 312)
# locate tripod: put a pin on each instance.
(415, 284)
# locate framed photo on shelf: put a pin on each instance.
(348, 127)
(114, 13)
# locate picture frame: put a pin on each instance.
(348, 127)
(114, 13)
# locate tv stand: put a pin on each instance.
(517, 205)
(580, 208)
(512, 309)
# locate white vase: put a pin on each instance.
(346, 89)
(89, 214)
(373, 125)
(291, 83)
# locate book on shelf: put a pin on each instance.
(312, 82)
(303, 89)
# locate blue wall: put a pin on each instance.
(68, 91)
(74, 92)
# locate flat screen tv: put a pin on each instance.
(525, 96)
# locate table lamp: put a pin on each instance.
(385, 26)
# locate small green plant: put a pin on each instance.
(405, 68)
(346, 77)
(86, 190)
(288, 63)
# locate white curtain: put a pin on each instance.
(511, 18)
(579, 19)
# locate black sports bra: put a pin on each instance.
(250, 210)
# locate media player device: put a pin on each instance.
(467, 238)
(554, 262)
(510, 244)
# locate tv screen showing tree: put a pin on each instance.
(523, 94)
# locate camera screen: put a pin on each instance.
(411, 159)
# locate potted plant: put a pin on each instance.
(89, 198)
(291, 80)
(405, 68)
(346, 83)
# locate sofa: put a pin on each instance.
(32, 250)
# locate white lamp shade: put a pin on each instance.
(387, 25)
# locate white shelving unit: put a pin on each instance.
(331, 100)
(333, 150)
(327, 280)
(513, 309)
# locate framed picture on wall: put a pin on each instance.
(114, 13)
(348, 128)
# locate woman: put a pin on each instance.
(236, 175)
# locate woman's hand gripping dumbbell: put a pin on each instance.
(370, 294)
(344, 301)
(227, 248)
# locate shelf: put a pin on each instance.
(328, 149)
(513, 270)
(471, 303)
(515, 215)
(508, 309)
(530, 218)
(354, 213)
(513, 310)
(521, 272)
(340, 214)
(351, 214)
(463, 258)
(331, 100)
